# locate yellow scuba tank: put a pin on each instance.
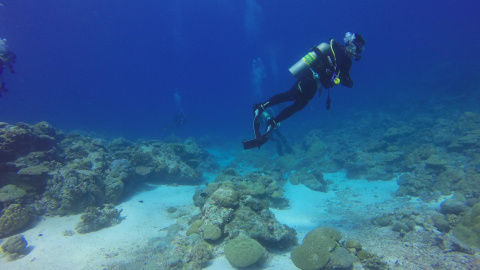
(307, 60)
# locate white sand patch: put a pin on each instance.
(345, 201)
(93, 250)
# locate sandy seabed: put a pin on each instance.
(348, 206)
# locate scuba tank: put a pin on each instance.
(308, 59)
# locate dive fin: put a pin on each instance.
(257, 142)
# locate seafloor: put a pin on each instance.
(392, 189)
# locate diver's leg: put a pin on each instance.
(306, 90)
(290, 110)
(258, 108)
(289, 95)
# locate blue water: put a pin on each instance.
(113, 67)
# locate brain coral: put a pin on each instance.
(243, 251)
(314, 253)
(307, 258)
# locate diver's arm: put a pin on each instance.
(346, 80)
(344, 75)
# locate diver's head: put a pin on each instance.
(354, 43)
(3, 45)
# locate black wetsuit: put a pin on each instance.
(306, 86)
(7, 59)
(321, 74)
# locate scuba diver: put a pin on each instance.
(325, 66)
(179, 120)
(7, 59)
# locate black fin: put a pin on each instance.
(254, 143)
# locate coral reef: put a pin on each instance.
(96, 218)
(21, 139)
(427, 152)
(59, 174)
(242, 205)
(239, 210)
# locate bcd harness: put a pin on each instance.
(333, 63)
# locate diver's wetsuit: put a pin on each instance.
(301, 92)
(325, 69)
(7, 58)
(306, 86)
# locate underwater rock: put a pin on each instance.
(436, 162)
(34, 170)
(383, 220)
(392, 134)
(113, 189)
(353, 244)
(186, 253)
(194, 227)
(441, 223)
(166, 165)
(142, 157)
(142, 170)
(225, 197)
(467, 229)
(11, 193)
(256, 184)
(321, 232)
(261, 226)
(14, 244)
(372, 261)
(308, 258)
(313, 180)
(229, 206)
(209, 231)
(217, 214)
(19, 140)
(65, 174)
(400, 226)
(453, 206)
(203, 194)
(321, 248)
(71, 191)
(171, 209)
(243, 251)
(13, 218)
(414, 184)
(96, 218)
(315, 149)
(189, 152)
(229, 174)
(340, 258)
